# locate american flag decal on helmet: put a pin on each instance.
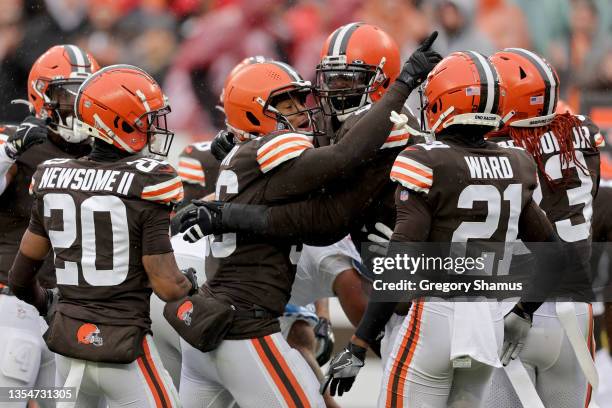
(412, 174)
(282, 148)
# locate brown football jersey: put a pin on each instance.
(16, 202)
(198, 169)
(471, 192)
(101, 218)
(254, 274)
(569, 205)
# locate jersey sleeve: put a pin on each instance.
(37, 225)
(413, 216)
(413, 170)
(155, 230)
(191, 171)
(400, 136)
(280, 149)
(162, 185)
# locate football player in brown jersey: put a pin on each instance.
(565, 149)
(106, 218)
(52, 84)
(439, 184)
(358, 64)
(269, 169)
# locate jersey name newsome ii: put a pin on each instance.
(101, 218)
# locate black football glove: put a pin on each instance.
(516, 327)
(50, 305)
(420, 63)
(190, 274)
(204, 218)
(30, 132)
(175, 221)
(222, 144)
(343, 370)
(325, 340)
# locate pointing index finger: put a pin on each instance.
(425, 45)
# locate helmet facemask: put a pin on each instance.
(346, 87)
(294, 107)
(155, 125)
(59, 97)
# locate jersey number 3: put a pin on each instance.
(67, 237)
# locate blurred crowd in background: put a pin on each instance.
(190, 45)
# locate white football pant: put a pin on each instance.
(255, 373)
(25, 360)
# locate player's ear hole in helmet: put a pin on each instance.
(358, 63)
(53, 83)
(125, 107)
(269, 96)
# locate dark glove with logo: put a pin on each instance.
(325, 340)
(190, 274)
(204, 218)
(222, 144)
(420, 63)
(343, 370)
(30, 132)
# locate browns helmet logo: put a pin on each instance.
(89, 333)
(184, 312)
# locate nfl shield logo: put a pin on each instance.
(404, 195)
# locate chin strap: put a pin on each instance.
(24, 102)
(534, 122)
(401, 120)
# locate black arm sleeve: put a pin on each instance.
(322, 219)
(412, 225)
(327, 163)
(23, 283)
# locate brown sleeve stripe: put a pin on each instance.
(278, 369)
(401, 364)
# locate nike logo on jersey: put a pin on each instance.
(493, 167)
